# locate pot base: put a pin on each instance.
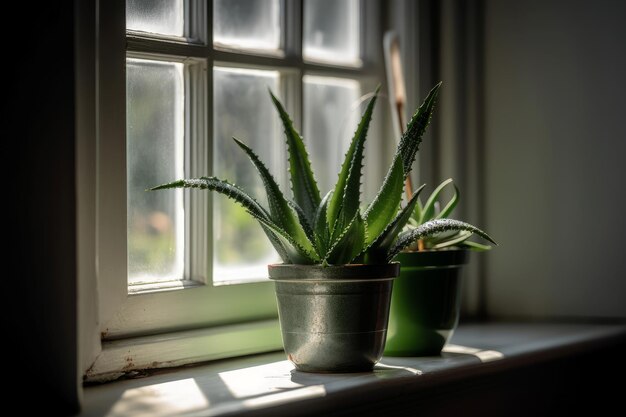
(418, 341)
(336, 352)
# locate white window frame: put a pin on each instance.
(165, 328)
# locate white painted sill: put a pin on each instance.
(267, 384)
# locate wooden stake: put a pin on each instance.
(397, 93)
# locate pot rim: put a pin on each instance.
(348, 272)
(453, 257)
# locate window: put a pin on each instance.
(197, 74)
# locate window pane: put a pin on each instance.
(155, 16)
(248, 24)
(331, 115)
(243, 110)
(155, 135)
(331, 30)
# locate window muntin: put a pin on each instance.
(200, 299)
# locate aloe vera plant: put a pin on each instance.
(332, 230)
(431, 213)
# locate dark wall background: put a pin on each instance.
(529, 124)
(39, 324)
(555, 140)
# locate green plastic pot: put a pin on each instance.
(334, 318)
(426, 302)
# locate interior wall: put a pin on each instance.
(555, 141)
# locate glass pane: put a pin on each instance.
(331, 30)
(155, 141)
(247, 24)
(243, 110)
(331, 115)
(156, 16)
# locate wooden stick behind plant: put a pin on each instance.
(397, 95)
(397, 92)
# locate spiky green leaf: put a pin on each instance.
(479, 247)
(417, 213)
(223, 187)
(385, 205)
(295, 253)
(428, 212)
(430, 228)
(377, 251)
(276, 243)
(433, 240)
(454, 240)
(281, 212)
(321, 232)
(304, 221)
(303, 185)
(346, 197)
(412, 137)
(349, 243)
(239, 196)
(451, 204)
(382, 210)
(338, 227)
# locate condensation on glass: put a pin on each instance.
(247, 24)
(331, 114)
(164, 17)
(331, 31)
(243, 110)
(155, 155)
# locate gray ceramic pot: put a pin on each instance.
(334, 319)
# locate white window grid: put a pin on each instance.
(149, 308)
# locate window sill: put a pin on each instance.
(535, 365)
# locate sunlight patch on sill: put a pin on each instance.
(259, 380)
(482, 355)
(166, 399)
(401, 370)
